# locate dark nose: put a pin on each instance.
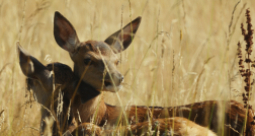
(121, 78)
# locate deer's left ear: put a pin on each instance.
(121, 39)
(65, 34)
(31, 67)
(34, 69)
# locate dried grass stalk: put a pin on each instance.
(245, 69)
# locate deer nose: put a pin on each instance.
(121, 79)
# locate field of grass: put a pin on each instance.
(184, 51)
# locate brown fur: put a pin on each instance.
(84, 129)
(102, 60)
(176, 126)
(206, 114)
(40, 80)
(170, 126)
(88, 109)
(96, 68)
(64, 78)
(98, 59)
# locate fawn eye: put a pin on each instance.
(87, 61)
(117, 62)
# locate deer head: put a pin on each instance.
(40, 79)
(97, 58)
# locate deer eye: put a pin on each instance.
(87, 61)
(117, 62)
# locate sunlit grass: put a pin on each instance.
(195, 33)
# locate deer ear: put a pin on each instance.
(121, 39)
(29, 65)
(64, 33)
(32, 68)
(87, 92)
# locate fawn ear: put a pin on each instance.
(87, 92)
(31, 67)
(121, 39)
(64, 33)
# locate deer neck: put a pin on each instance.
(60, 109)
(45, 110)
(93, 110)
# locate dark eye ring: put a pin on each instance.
(87, 61)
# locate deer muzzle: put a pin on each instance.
(112, 82)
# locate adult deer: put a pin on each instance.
(41, 80)
(95, 63)
(97, 59)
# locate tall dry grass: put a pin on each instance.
(200, 35)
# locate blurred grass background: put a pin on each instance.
(184, 51)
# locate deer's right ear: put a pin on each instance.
(64, 33)
(30, 66)
(121, 39)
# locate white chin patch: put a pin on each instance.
(112, 88)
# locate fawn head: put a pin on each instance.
(40, 79)
(98, 59)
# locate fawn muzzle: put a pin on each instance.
(112, 81)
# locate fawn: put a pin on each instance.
(40, 80)
(95, 63)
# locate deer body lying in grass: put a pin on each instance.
(169, 126)
(40, 80)
(95, 63)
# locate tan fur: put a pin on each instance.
(206, 114)
(97, 68)
(95, 61)
(84, 129)
(170, 126)
(89, 109)
(176, 126)
(181, 126)
(64, 78)
(103, 56)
